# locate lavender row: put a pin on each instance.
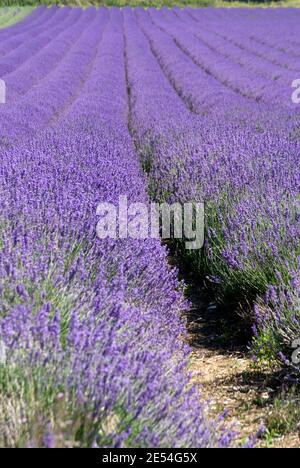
(215, 36)
(42, 105)
(231, 74)
(245, 173)
(98, 321)
(202, 93)
(14, 40)
(47, 59)
(272, 35)
(31, 45)
(239, 34)
(38, 15)
(194, 85)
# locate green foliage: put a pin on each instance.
(153, 3)
(284, 416)
(13, 14)
(29, 404)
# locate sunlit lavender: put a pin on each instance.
(158, 105)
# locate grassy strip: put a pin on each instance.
(157, 3)
(12, 15)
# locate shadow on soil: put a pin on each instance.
(211, 326)
(252, 395)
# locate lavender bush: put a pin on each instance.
(92, 332)
(220, 128)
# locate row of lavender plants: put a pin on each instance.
(218, 125)
(92, 349)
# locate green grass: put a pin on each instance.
(11, 15)
(258, 4)
(283, 417)
(153, 3)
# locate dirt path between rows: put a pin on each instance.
(228, 376)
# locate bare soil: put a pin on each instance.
(228, 376)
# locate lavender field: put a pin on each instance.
(158, 105)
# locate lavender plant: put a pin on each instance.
(215, 142)
(92, 331)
